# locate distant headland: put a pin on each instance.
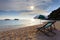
(6, 19)
(16, 19)
(11, 19)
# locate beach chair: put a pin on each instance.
(47, 29)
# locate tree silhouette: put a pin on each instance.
(54, 15)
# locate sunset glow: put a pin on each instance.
(32, 7)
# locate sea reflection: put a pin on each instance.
(14, 24)
(33, 22)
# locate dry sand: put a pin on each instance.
(29, 33)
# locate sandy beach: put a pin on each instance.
(29, 33)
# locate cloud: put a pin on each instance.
(22, 4)
(23, 7)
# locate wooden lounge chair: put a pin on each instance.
(47, 29)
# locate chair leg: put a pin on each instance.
(37, 30)
(51, 30)
(46, 32)
(54, 27)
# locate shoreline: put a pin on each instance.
(27, 33)
(20, 33)
(9, 29)
(17, 27)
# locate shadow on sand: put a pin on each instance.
(41, 36)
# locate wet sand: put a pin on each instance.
(29, 33)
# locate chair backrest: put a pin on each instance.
(49, 24)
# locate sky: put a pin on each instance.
(26, 9)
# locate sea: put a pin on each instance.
(14, 24)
